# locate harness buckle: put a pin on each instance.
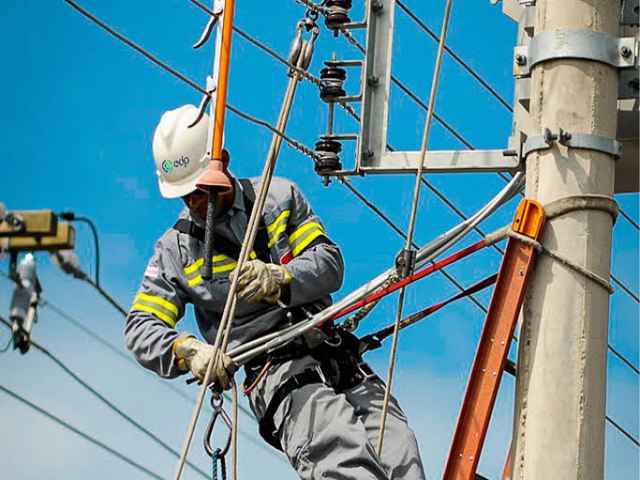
(366, 371)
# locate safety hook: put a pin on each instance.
(216, 403)
(218, 8)
(211, 88)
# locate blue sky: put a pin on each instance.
(77, 120)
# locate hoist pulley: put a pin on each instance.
(327, 156)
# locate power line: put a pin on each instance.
(455, 56)
(397, 229)
(442, 122)
(270, 51)
(123, 355)
(293, 143)
(624, 359)
(620, 429)
(107, 402)
(629, 219)
(80, 433)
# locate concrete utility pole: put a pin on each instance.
(560, 393)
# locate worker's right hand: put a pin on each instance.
(195, 355)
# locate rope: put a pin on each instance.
(293, 143)
(80, 433)
(228, 313)
(373, 340)
(414, 211)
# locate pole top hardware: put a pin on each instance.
(575, 43)
(585, 141)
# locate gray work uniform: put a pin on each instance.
(343, 426)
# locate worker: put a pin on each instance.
(320, 404)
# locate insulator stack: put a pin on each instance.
(332, 79)
(328, 158)
(337, 13)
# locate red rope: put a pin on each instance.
(411, 319)
(454, 257)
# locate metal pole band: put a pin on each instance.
(578, 44)
(584, 141)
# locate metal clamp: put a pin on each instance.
(575, 43)
(585, 141)
(406, 262)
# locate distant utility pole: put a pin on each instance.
(560, 393)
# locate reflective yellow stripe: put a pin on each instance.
(194, 266)
(195, 281)
(162, 316)
(225, 268)
(216, 259)
(278, 226)
(307, 226)
(158, 301)
(282, 228)
(305, 243)
(273, 225)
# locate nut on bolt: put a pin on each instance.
(521, 59)
(625, 51)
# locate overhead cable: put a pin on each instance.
(270, 51)
(624, 359)
(455, 56)
(80, 433)
(123, 355)
(620, 429)
(403, 235)
(293, 143)
(76, 378)
(397, 229)
(629, 219)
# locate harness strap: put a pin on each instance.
(261, 243)
(223, 244)
(266, 426)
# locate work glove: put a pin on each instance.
(194, 355)
(259, 281)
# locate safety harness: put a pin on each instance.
(341, 365)
(223, 244)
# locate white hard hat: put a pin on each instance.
(180, 152)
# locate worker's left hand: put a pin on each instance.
(259, 281)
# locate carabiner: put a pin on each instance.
(218, 411)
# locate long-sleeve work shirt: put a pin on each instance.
(172, 278)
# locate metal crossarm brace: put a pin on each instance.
(491, 355)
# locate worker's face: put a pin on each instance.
(198, 200)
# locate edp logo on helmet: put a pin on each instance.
(168, 165)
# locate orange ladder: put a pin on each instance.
(493, 347)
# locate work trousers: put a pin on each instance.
(329, 435)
